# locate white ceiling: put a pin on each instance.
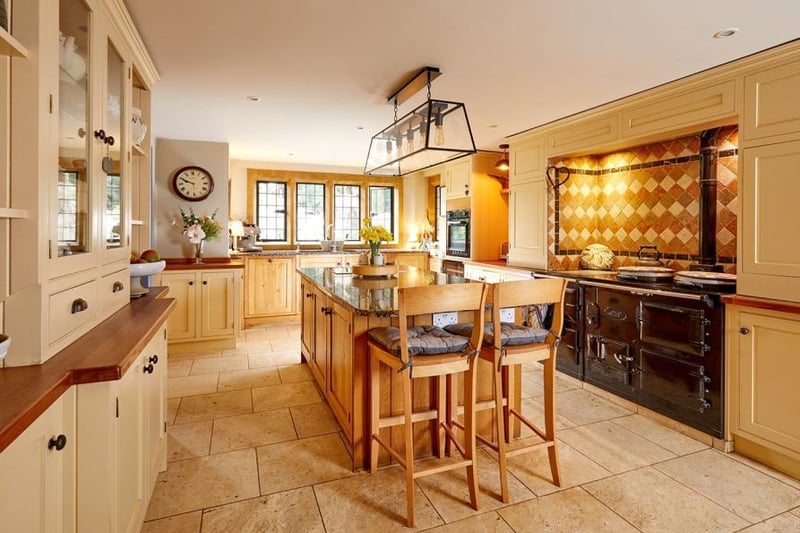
(323, 69)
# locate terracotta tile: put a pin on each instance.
(548, 513)
(195, 484)
(749, 493)
(182, 523)
(251, 430)
(285, 395)
(208, 406)
(294, 510)
(651, 501)
(188, 440)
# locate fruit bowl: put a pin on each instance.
(141, 270)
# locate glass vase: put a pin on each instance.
(198, 252)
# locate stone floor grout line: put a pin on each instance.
(601, 502)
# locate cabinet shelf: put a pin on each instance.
(10, 46)
(7, 212)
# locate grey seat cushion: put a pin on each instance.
(510, 334)
(422, 340)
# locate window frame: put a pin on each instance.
(392, 209)
(286, 219)
(325, 217)
(360, 217)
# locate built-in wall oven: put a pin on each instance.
(458, 233)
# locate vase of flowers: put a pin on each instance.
(374, 236)
(199, 228)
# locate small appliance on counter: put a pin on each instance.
(248, 242)
(649, 256)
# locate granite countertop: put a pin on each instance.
(354, 251)
(372, 295)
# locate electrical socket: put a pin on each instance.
(444, 319)
(507, 314)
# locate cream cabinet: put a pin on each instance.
(772, 109)
(588, 134)
(71, 169)
(207, 308)
(457, 178)
(527, 232)
(37, 486)
(481, 273)
(122, 434)
(763, 372)
(526, 161)
(270, 287)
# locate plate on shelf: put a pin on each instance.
(374, 270)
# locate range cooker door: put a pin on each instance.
(570, 354)
(679, 386)
(676, 328)
(611, 365)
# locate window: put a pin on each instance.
(271, 210)
(67, 206)
(381, 207)
(310, 214)
(346, 212)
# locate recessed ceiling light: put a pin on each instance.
(254, 98)
(359, 127)
(494, 126)
(727, 32)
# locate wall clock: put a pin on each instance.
(193, 183)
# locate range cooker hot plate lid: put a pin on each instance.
(649, 273)
(701, 278)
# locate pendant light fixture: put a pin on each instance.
(434, 132)
(502, 163)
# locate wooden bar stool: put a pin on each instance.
(427, 352)
(523, 340)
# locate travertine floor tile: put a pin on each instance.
(797, 511)
(583, 407)
(294, 373)
(652, 501)
(780, 476)
(172, 410)
(285, 395)
(262, 358)
(779, 524)
(182, 523)
(614, 447)
(249, 431)
(219, 364)
(533, 469)
(449, 492)
(208, 406)
(188, 440)
(676, 442)
(303, 462)
(247, 379)
(533, 410)
(483, 523)
(179, 368)
(536, 381)
(313, 419)
(195, 355)
(204, 482)
(291, 511)
(568, 511)
(750, 494)
(372, 502)
(286, 345)
(192, 385)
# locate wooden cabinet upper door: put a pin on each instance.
(216, 304)
(182, 321)
(771, 106)
(340, 380)
(527, 210)
(457, 178)
(270, 287)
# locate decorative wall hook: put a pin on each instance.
(552, 173)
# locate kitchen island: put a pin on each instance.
(337, 310)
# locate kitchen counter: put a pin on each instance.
(284, 253)
(102, 354)
(209, 263)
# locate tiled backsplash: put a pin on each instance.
(646, 195)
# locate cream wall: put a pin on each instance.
(171, 155)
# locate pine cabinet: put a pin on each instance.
(763, 372)
(37, 486)
(270, 287)
(207, 308)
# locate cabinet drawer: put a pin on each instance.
(114, 291)
(71, 309)
(680, 111)
(771, 106)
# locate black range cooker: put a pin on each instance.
(657, 344)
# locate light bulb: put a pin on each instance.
(410, 147)
(399, 142)
(423, 131)
(439, 138)
(389, 147)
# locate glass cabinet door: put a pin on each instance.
(73, 185)
(114, 234)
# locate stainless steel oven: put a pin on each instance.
(458, 233)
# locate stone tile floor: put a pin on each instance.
(252, 447)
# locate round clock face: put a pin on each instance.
(193, 183)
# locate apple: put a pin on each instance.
(134, 258)
(150, 256)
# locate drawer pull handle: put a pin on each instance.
(744, 331)
(118, 287)
(79, 306)
(154, 359)
(205, 282)
(59, 443)
(309, 294)
(191, 283)
(148, 369)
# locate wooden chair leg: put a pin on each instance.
(452, 410)
(442, 416)
(469, 432)
(550, 415)
(500, 415)
(408, 437)
(374, 411)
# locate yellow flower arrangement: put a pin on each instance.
(374, 235)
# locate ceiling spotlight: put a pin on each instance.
(254, 98)
(727, 32)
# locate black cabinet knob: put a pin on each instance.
(148, 369)
(205, 282)
(744, 331)
(100, 134)
(57, 442)
(154, 359)
(191, 283)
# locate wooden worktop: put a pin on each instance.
(209, 263)
(102, 354)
